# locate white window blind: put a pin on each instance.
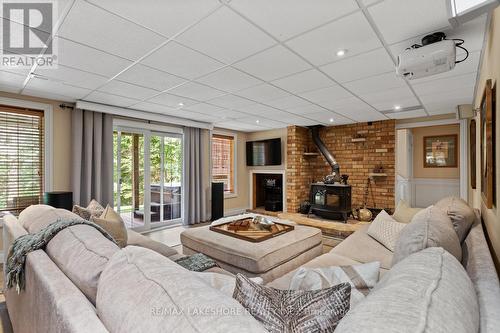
(21, 158)
(223, 161)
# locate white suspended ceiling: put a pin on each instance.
(252, 64)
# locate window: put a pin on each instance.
(223, 155)
(21, 158)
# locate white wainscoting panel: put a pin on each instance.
(427, 191)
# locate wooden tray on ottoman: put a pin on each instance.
(245, 229)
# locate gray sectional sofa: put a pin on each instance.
(82, 282)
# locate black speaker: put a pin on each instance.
(217, 201)
(59, 199)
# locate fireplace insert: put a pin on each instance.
(331, 201)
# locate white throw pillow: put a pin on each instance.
(361, 277)
(385, 229)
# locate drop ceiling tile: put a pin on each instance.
(279, 115)
(88, 59)
(127, 90)
(329, 118)
(305, 122)
(262, 122)
(402, 19)
(107, 32)
(453, 97)
(229, 79)
(287, 102)
(196, 91)
(48, 94)
(326, 96)
(13, 80)
(205, 108)
(169, 17)
(150, 78)
(387, 99)
(179, 60)
(360, 66)
(442, 107)
(44, 85)
(352, 33)
(172, 100)
(377, 83)
(72, 76)
(305, 81)
(257, 109)
(306, 109)
(100, 97)
(366, 114)
(287, 18)
(273, 63)
(355, 109)
(233, 114)
(262, 93)
(446, 84)
(231, 101)
(407, 114)
(238, 126)
(226, 36)
(153, 107)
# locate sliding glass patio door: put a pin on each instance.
(147, 177)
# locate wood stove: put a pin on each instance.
(331, 201)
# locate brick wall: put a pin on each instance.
(356, 159)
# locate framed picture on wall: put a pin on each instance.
(488, 105)
(472, 141)
(441, 151)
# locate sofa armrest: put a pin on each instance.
(12, 229)
(50, 302)
(135, 238)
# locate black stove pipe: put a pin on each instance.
(324, 151)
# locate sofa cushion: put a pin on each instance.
(385, 230)
(362, 248)
(460, 213)
(81, 252)
(429, 291)
(36, 217)
(404, 213)
(294, 310)
(135, 238)
(112, 222)
(429, 228)
(361, 277)
(142, 291)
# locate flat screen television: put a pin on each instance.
(264, 152)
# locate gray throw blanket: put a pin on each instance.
(25, 244)
(197, 262)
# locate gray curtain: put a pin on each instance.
(195, 175)
(92, 157)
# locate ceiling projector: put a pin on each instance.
(436, 55)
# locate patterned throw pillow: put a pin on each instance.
(362, 278)
(94, 209)
(385, 230)
(286, 311)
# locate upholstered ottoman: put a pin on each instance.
(268, 259)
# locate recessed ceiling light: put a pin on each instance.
(331, 120)
(397, 107)
(180, 104)
(341, 53)
(257, 121)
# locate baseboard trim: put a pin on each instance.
(235, 211)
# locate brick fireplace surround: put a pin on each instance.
(356, 159)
